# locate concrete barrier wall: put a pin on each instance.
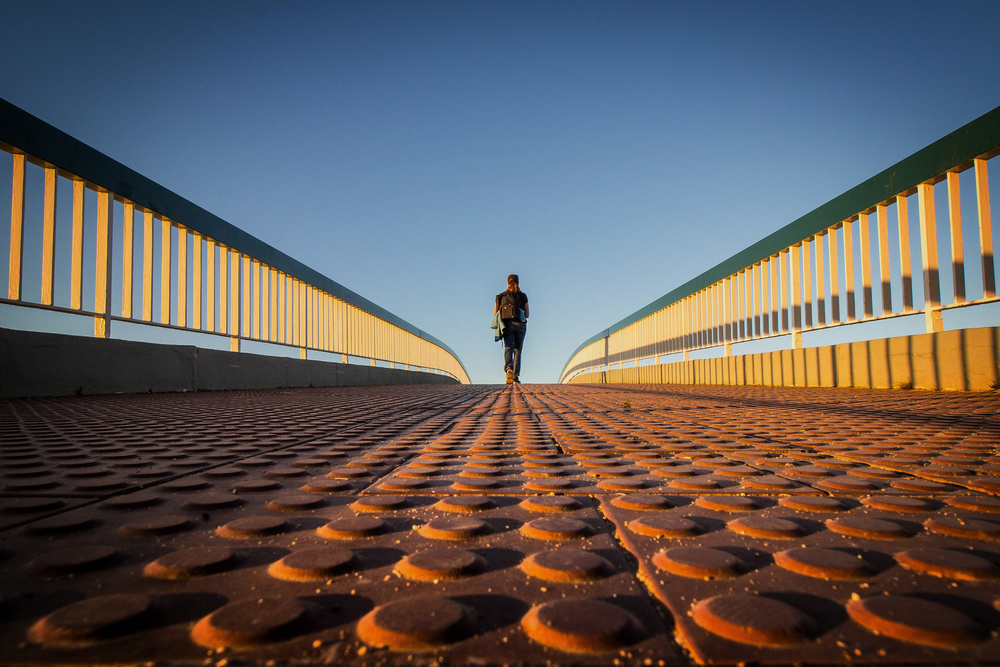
(42, 364)
(964, 360)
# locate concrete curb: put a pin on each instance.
(45, 364)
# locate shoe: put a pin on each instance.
(510, 376)
(517, 380)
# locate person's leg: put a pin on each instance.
(518, 344)
(509, 342)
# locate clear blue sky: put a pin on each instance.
(418, 152)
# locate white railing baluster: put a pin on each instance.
(905, 265)
(883, 258)
(102, 273)
(866, 266)
(821, 266)
(76, 251)
(49, 237)
(929, 257)
(128, 257)
(147, 266)
(196, 280)
(955, 227)
(15, 269)
(182, 276)
(985, 228)
(210, 285)
(850, 277)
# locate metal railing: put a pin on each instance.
(131, 251)
(852, 260)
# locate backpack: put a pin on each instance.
(509, 306)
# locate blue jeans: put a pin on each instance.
(513, 341)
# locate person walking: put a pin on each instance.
(512, 306)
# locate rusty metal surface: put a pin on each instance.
(501, 525)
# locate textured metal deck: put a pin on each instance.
(501, 525)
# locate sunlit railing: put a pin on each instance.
(130, 251)
(873, 253)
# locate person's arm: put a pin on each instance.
(526, 315)
(496, 305)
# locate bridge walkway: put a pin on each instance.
(532, 524)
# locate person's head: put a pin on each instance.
(512, 282)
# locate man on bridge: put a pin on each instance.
(512, 305)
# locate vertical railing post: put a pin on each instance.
(733, 306)
(310, 314)
(715, 312)
(16, 228)
(691, 334)
(796, 301)
(245, 292)
(741, 305)
(807, 276)
(289, 310)
(668, 332)
(834, 276)
(282, 318)
(265, 300)
(277, 303)
(708, 316)
(275, 315)
(128, 257)
(235, 301)
(883, 258)
(165, 264)
(293, 312)
(196, 279)
(703, 322)
(210, 284)
(985, 228)
(850, 277)
(182, 276)
(692, 321)
(147, 265)
(314, 317)
(342, 327)
(764, 295)
(49, 237)
(686, 335)
(704, 319)
(223, 289)
(783, 271)
(102, 278)
(955, 224)
(374, 352)
(729, 306)
(821, 278)
(695, 320)
(775, 294)
(255, 303)
(866, 266)
(716, 307)
(725, 306)
(76, 252)
(735, 310)
(330, 323)
(302, 319)
(905, 265)
(929, 255)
